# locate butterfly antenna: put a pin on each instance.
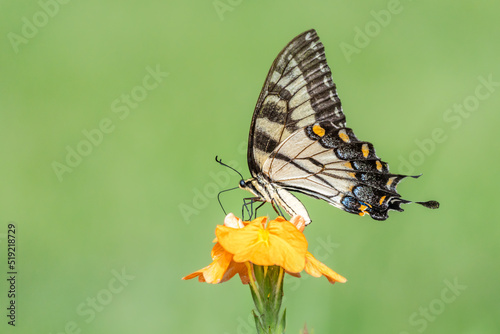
(218, 198)
(223, 164)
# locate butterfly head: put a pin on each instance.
(249, 186)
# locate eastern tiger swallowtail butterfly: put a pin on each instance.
(299, 142)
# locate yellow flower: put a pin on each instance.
(277, 242)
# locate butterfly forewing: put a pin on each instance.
(298, 91)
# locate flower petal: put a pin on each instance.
(236, 268)
(198, 274)
(293, 274)
(299, 222)
(234, 240)
(315, 268)
(215, 271)
(279, 244)
(232, 221)
(288, 245)
(217, 251)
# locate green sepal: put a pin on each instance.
(282, 323)
(258, 324)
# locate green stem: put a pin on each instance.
(267, 293)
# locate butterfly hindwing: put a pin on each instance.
(332, 164)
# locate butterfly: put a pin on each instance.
(299, 142)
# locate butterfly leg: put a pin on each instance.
(249, 202)
(277, 209)
(246, 203)
(261, 204)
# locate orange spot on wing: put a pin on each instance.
(365, 150)
(390, 182)
(382, 200)
(343, 135)
(362, 209)
(379, 165)
(317, 129)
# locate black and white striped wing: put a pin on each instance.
(299, 140)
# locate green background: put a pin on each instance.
(120, 207)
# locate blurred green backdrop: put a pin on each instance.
(150, 92)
